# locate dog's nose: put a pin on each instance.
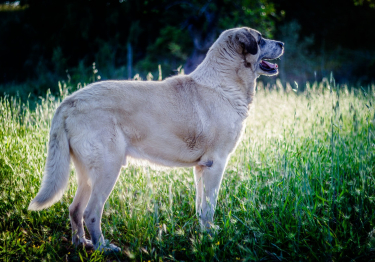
(281, 44)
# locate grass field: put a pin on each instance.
(299, 187)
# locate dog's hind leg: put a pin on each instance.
(78, 206)
(105, 176)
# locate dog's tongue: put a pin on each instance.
(270, 64)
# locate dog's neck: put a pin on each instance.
(219, 71)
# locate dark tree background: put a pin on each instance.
(343, 35)
(45, 41)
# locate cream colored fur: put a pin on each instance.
(184, 121)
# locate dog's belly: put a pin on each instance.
(172, 152)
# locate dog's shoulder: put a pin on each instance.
(181, 83)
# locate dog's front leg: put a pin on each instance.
(208, 176)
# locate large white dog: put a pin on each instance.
(194, 120)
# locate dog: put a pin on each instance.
(193, 120)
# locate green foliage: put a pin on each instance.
(170, 49)
(260, 15)
(371, 3)
(299, 187)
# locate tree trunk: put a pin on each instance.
(130, 60)
(202, 38)
(194, 60)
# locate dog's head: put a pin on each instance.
(253, 50)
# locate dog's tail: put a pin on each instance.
(56, 174)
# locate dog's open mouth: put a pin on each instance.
(267, 66)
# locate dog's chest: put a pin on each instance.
(231, 134)
(221, 134)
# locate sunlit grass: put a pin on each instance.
(299, 187)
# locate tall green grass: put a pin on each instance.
(299, 187)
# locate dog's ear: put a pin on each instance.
(247, 42)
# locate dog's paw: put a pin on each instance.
(108, 247)
(209, 227)
(88, 244)
(212, 229)
(82, 241)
